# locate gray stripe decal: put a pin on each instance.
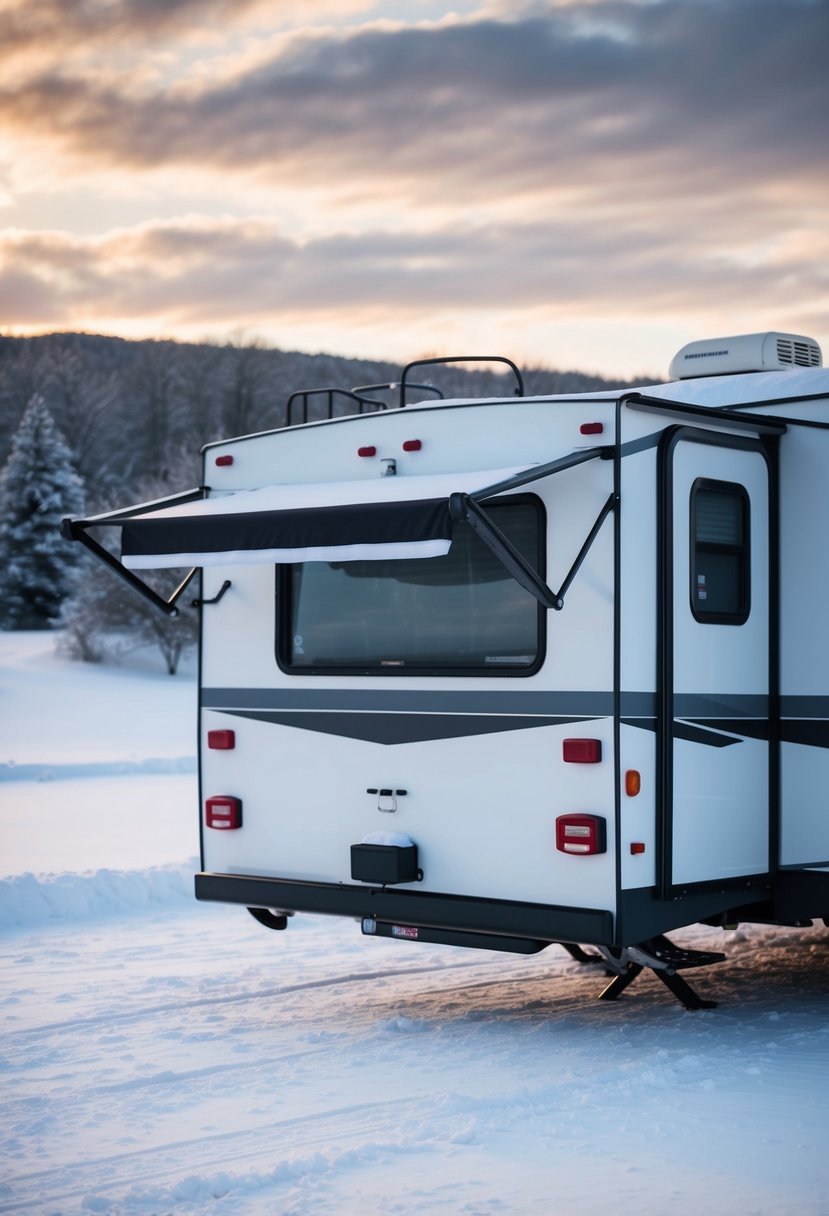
(641, 445)
(572, 704)
(804, 707)
(721, 705)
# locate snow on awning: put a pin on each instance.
(381, 518)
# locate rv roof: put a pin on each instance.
(747, 389)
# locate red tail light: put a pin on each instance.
(223, 811)
(583, 834)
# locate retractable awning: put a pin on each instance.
(381, 518)
(377, 519)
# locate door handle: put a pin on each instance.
(387, 799)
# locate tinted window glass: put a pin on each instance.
(462, 611)
(720, 557)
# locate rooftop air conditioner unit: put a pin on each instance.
(770, 352)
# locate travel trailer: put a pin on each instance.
(508, 672)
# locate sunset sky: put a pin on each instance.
(572, 183)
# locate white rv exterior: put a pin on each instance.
(432, 713)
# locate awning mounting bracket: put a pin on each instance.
(199, 603)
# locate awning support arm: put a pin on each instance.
(75, 529)
(734, 417)
(463, 507)
(537, 471)
(70, 530)
(142, 508)
(585, 549)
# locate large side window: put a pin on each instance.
(459, 613)
(720, 558)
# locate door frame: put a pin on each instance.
(665, 723)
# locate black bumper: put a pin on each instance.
(539, 922)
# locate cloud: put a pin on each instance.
(74, 27)
(552, 163)
(193, 274)
(663, 95)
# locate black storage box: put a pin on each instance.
(384, 863)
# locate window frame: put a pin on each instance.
(489, 671)
(742, 551)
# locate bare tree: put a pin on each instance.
(245, 376)
(105, 620)
(84, 400)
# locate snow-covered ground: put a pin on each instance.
(163, 1057)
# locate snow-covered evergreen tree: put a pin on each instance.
(38, 486)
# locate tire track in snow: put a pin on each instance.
(313, 1152)
(121, 1016)
(354, 1121)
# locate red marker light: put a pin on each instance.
(582, 751)
(224, 461)
(637, 846)
(221, 740)
(412, 445)
(367, 451)
(591, 428)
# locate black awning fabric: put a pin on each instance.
(313, 533)
(381, 518)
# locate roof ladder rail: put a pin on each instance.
(519, 380)
(303, 395)
(390, 386)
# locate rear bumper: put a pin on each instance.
(500, 918)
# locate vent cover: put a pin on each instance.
(769, 352)
(798, 351)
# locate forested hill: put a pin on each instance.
(136, 413)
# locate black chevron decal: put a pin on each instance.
(396, 728)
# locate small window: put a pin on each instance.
(719, 552)
(458, 614)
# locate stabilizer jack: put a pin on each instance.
(665, 959)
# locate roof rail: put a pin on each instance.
(368, 404)
(302, 395)
(519, 391)
(390, 386)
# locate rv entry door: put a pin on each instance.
(713, 725)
